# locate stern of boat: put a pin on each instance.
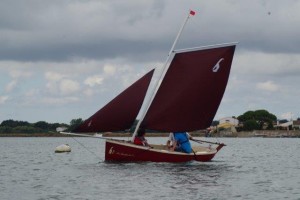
(220, 146)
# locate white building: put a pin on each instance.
(60, 129)
(229, 120)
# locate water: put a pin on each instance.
(248, 168)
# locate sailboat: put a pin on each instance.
(186, 98)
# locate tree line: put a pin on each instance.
(257, 120)
(250, 120)
(15, 126)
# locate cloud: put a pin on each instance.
(109, 70)
(57, 83)
(11, 85)
(257, 64)
(47, 58)
(3, 99)
(93, 80)
(69, 87)
(110, 29)
(16, 74)
(267, 86)
(53, 76)
(59, 101)
(88, 92)
(287, 115)
(32, 93)
(63, 87)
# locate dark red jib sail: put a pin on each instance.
(191, 91)
(121, 112)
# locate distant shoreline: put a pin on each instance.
(243, 134)
(32, 135)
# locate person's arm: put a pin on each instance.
(174, 145)
(145, 143)
(168, 144)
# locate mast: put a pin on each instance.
(164, 70)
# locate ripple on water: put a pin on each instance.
(245, 169)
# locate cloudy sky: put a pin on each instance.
(65, 59)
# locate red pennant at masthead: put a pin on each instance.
(192, 12)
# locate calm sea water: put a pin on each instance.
(249, 168)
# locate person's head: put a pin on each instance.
(141, 132)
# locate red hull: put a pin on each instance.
(127, 152)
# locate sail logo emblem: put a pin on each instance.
(111, 151)
(217, 66)
(90, 123)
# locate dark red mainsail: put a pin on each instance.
(191, 91)
(120, 113)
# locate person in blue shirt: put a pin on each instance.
(179, 141)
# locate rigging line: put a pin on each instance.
(217, 139)
(196, 141)
(87, 149)
(195, 158)
(203, 141)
